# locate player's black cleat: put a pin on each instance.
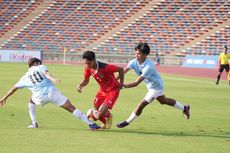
(122, 124)
(187, 111)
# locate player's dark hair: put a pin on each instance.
(34, 60)
(226, 47)
(143, 47)
(89, 55)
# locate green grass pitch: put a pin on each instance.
(160, 129)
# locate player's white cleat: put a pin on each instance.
(33, 126)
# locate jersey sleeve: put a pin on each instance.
(87, 73)
(131, 64)
(228, 56)
(22, 82)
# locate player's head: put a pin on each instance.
(34, 61)
(89, 55)
(143, 48)
(89, 58)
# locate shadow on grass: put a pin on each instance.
(214, 134)
(223, 135)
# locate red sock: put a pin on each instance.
(102, 118)
(107, 114)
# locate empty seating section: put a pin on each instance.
(171, 24)
(75, 24)
(212, 45)
(13, 11)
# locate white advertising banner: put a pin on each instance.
(18, 55)
(201, 61)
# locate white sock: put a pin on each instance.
(179, 106)
(81, 116)
(132, 117)
(32, 112)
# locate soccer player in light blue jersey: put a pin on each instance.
(147, 72)
(40, 82)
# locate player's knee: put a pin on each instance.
(162, 102)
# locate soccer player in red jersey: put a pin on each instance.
(109, 90)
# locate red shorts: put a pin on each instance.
(108, 98)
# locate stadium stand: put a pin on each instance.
(73, 24)
(172, 24)
(13, 11)
(171, 27)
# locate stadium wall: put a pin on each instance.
(18, 55)
(74, 57)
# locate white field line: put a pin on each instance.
(189, 80)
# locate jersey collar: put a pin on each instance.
(95, 71)
(143, 64)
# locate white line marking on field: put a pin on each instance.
(188, 80)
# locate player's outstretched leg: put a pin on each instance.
(32, 113)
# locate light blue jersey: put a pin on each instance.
(35, 80)
(149, 72)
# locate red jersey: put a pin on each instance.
(104, 75)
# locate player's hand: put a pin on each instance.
(2, 102)
(56, 80)
(79, 88)
(122, 86)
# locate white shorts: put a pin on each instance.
(153, 94)
(54, 96)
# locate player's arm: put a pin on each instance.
(121, 75)
(8, 94)
(82, 84)
(135, 83)
(228, 56)
(49, 76)
(125, 71)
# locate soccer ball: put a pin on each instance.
(93, 114)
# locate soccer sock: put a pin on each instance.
(132, 117)
(32, 112)
(107, 114)
(102, 118)
(82, 116)
(179, 106)
(218, 78)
